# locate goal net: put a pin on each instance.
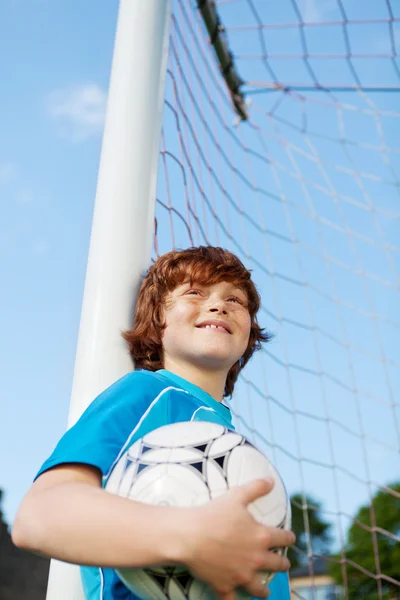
(280, 142)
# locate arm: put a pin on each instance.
(66, 515)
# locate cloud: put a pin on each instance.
(78, 111)
(316, 10)
(8, 172)
(12, 185)
(40, 247)
(24, 197)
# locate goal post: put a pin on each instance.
(122, 230)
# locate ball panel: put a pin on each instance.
(247, 463)
(121, 477)
(170, 485)
(171, 455)
(135, 450)
(200, 591)
(128, 478)
(114, 480)
(216, 480)
(178, 587)
(145, 586)
(224, 443)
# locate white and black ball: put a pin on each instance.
(189, 464)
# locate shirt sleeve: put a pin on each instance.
(107, 424)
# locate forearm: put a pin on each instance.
(78, 523)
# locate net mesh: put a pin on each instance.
(306, 192)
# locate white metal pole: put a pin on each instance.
(120, 245)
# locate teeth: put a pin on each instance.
(214, 327)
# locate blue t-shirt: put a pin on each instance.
(132, 407)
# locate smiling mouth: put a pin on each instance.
(214, 327)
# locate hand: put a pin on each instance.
(229, 548)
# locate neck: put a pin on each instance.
(212, 382)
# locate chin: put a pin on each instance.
(215, 361)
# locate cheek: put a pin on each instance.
(176, 316)
(171, 337)
(184, 312)
(247, 329)
(247, 323)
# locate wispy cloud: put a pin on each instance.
(317, 10)
(78, 111)
(24, 197)
(13, 186)
(40, 247)
(8, 172)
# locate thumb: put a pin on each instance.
(255, 489)
(228, 596)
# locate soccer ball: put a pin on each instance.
(189, 464)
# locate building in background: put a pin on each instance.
(318, 587)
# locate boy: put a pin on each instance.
(195, 328)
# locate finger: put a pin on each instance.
(274, 562)
(258, 591)
(258, 587)
(228, 596)
(255, 489)
(280, 538)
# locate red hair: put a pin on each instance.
(205, 265)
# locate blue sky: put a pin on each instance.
(56, 60)
(306, 193)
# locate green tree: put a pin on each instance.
(23, 575)
(307, 516)
(382, 556)
(3, 525)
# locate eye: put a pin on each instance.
(235, 299)
(192, 292)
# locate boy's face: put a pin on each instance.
(206, 325)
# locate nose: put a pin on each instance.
(218, 307)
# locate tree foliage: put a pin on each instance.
(381, 555)
(307, 516)
(3, 525)
(1, 505)
(23, 576)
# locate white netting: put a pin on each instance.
(306, 193)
